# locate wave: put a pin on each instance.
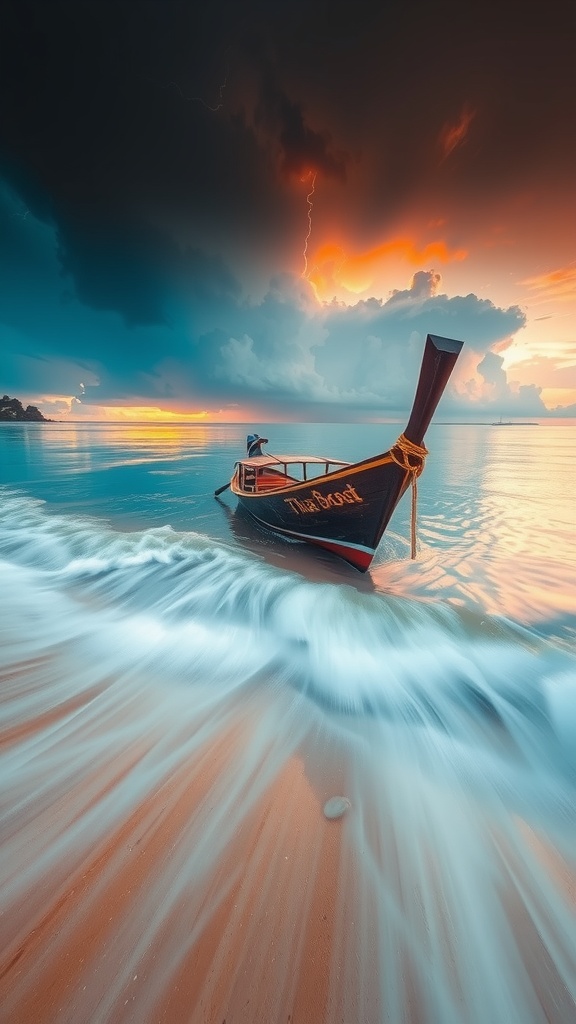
(156, 662)
(189, 604)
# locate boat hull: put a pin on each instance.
(344, 512)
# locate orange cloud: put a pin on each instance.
(333, 270)
(558, 397)
(556, 284)
(453, 135)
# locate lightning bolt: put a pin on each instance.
(312, 175)
(221, 93)
(197, 99)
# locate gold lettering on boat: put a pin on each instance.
(347, 496)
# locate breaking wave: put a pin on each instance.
(175, 713)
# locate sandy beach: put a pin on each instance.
(220, 893)
(124, 932)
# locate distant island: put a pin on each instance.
(12, 411)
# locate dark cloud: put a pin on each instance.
(115, 268)
(217, 347)
(106, 131)
(181, 113)
(136, 270)
(154, 149)
(302, 150)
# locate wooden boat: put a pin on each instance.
(344, 507)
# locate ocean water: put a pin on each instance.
(182, 693)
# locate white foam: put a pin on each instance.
(128, 657)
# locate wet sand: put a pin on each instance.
(154, 924)
(172, 916)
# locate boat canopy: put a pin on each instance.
(259, 461)
(259, 473)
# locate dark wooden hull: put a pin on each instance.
(345, 512)
(348, 510)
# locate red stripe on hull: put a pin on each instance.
(359, 559)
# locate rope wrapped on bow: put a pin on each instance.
(410, 457)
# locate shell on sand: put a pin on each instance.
(336, 806)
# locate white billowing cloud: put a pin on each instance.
(240, 365)
(425, 284)
(497, 391)
(275, 352)
(365, 356)
(490, 369)
(56, 407)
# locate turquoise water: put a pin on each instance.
(139, 614)
(496, 506)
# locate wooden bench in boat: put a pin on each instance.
(262, 473)
(268, 481)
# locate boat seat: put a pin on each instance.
(268, 481)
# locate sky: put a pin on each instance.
(257, 211)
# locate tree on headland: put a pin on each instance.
(11, 410)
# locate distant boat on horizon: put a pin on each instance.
(511, 423)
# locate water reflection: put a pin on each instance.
(499, 536)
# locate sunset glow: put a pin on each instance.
(557, 284)
(143, 413)
(557, 398)
(334, 272)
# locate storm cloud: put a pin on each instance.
(213, 346)
(156, 162)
